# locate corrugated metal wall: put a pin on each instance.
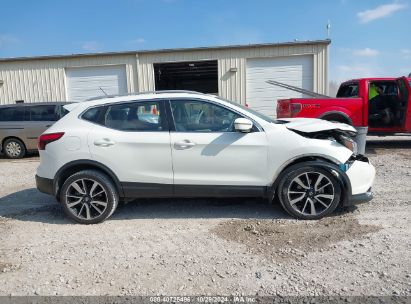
(232, 85)
(44, 80)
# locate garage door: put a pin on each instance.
(89, 82)
(296, 71)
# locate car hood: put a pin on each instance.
(311, 125)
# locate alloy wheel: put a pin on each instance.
(311, 193)
(86, 198)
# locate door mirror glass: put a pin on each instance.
(243, 125)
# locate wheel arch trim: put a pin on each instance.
(89, 163)
(342, 114)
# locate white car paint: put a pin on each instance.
(57, 154)
(196, 158)
(241, 159)
(309, 125)
(361, 177)
(136, 156)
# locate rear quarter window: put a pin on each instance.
(92, 114)
(63, 112)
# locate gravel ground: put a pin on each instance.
(209, 247)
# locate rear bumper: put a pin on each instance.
(44, 185)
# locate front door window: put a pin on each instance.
(198, 116)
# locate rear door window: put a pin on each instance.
(136, 116)
(347, 91)
(43, 113)
(13, 114)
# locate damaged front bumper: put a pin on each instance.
(360, 198)
(361, 175)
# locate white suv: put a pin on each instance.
(187, 144)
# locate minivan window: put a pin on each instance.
(12, 114)
(43, 113)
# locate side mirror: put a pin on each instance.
(243, 125)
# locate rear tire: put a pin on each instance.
(14, 148)
(309, 192)
(89, 197)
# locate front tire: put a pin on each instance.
(14, 148)
(89, 197)
(309, 192)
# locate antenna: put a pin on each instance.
(328, 29)
(103, 91)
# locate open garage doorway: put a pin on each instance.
(200, 76)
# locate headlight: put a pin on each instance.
(349, 143)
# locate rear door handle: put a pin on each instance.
(185, 144)
(104, 142)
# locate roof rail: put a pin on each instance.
(145, 92)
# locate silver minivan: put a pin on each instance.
(21, 125)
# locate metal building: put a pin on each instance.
(238, 73)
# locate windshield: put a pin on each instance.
(258, 114)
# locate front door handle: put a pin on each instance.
(104, 142)
(185, 144)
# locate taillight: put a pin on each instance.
(295, 108)
(286, 108)
(45, 139)
(283, 106)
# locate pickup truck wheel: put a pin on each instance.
(14, 148)
(309, 192)
(89, 197)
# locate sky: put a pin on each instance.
(369, 38)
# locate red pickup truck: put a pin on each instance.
(386, 113)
